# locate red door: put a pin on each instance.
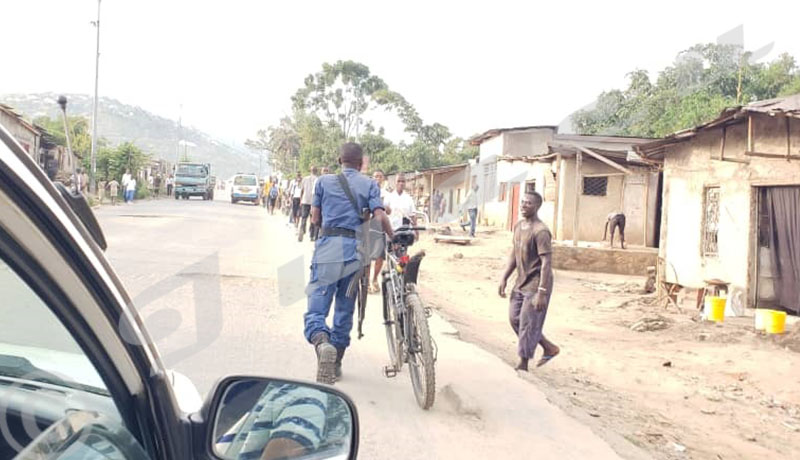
(513, 209)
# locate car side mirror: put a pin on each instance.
(256, 417)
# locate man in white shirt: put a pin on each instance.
(295, 191)
(401, 204)
(306, 195)
(130, 190)
(377, 233)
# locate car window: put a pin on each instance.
(35, 345)
(244, 180)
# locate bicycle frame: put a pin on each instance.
(400, 270)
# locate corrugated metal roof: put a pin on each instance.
(481, 138)
(13, 113)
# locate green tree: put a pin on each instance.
(340, 94)
(702, 81)
(79, 135)
(332, 107)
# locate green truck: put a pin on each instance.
(194, 179)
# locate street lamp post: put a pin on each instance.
(62, 102)
(93, 168)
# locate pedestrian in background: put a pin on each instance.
(436, 203)
(150, 186)
(113, 190)
(130, 190)
(273, 197)
(295, 192)
(376, 233)
(336, 260)
(306, 195)
(170, 181)
(531, 259)
(471, 206)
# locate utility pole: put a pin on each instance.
(178, 146)
(93, 168)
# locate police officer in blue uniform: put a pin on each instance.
(337, 259)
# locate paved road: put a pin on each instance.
(221, 289)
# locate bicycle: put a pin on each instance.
(406, 318)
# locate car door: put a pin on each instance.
(53, 255)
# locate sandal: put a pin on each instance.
(546, 359)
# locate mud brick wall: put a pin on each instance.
(604, 260)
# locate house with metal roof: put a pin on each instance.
(731, 203)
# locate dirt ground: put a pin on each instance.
(689, 389)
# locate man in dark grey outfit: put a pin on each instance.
(531, 259)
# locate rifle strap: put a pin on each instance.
(349, 193)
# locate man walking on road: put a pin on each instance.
(113, 190)
(339, 204)
(306, 195)
(376, 232)
(436, 204)
(471, 205)
(130, 190)
(531, 259)
(295, 191)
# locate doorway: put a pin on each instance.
(777, 242)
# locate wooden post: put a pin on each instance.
(646, 207)
(722, 143)
(430, 198)
(578, 192)
(788, 138)
(558, 193)
(750, 142)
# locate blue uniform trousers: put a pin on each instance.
(329, 281)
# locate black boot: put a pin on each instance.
(326, 358)
(339, 357)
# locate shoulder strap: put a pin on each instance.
(348, 192)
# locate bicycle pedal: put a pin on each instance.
(389, 372)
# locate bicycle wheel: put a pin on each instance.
(392, 324)
(421, 355)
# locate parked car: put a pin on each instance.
(81, 378)
(245, 188)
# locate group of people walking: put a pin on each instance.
(128, 186)
(336, 207)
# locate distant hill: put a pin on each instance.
(158, 136)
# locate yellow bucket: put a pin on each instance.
(775, 322)
(716, 310)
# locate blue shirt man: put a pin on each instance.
(336, 258)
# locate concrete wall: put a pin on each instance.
(527, 143)
(635, 195)
(688, 168)
(491, 148)
(604, 260)
(493, 211)
(455, 182)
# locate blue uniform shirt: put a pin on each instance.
(337, 211)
